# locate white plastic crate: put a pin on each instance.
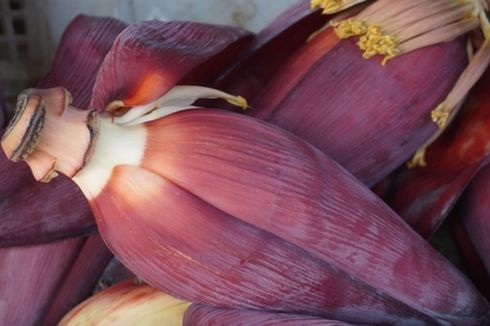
(24, 45)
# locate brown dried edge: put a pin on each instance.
(31, 135)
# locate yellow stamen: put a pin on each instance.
(375, 42)
(418, 159)
(391, 28)
(348, 28)
(238, 101)
(440, 115)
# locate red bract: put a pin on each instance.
(369, 118)
(227, 210)
(80, 54)
(423, 196)
(166, 53)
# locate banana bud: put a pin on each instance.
(227, 210)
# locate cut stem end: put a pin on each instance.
(49, 134)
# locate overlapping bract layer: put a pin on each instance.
(166, 53)
(423, 196)
(242, 213)
(370, 118)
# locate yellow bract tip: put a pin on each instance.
(440, 115)
(374, 42)
(418, 159)
(348, 28)
(238, 101)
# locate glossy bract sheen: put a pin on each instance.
(369, 118)
(230, 211)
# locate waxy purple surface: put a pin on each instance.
(369, 118)
(424, 196)
(194, 251)
(230, 181)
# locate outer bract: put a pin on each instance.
(424, 195)
(79, 280)
(270, 49)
